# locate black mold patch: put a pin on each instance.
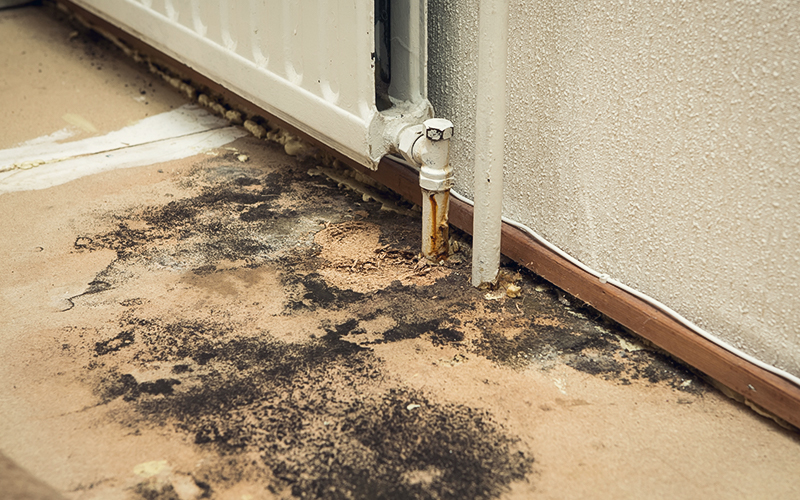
(234, 248)
(123, 240)
(219, 196)
(322, 418)
(596, 365)
(538, 342)
(405, 331)
(173, 341)
(439, 335)
(246, 181)
(663, 368)
(442, 336)
(260, 212)
(235, 219)
(338, 331)
(125, 385)
(82, 242)
(114, 386)
(318, 292)
(123, 339)
(582, 346)
(160, 386)
(173, 214)
(234, 216)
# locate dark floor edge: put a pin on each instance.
(759, 388)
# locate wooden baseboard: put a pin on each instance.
(756, 385)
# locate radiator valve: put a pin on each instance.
(428, 146)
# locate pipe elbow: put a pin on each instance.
(432, 153)
(428, 146)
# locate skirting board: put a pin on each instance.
(756, 385)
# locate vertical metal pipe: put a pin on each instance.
(432, 152)
(490, 118)
(435, 224)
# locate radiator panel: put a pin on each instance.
(307, 63)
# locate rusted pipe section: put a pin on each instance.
(435, 225)
(428, 146)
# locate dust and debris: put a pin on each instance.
(505, 285)
(354, 259)
(350, 179)
(254, 128)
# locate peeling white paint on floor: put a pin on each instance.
(45, 162)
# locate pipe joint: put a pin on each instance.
(428, 146)
(436, 175)
(407, 140)
(433, 155)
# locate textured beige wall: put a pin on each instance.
(657, 142)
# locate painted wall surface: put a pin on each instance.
(658, 142)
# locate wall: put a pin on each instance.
(657, 142)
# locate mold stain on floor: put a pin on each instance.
(284, 334)
(257, 364)
(255, 314)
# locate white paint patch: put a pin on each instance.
(150, 469)
(43, 162)
(57, 136)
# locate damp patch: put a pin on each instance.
(321, 415)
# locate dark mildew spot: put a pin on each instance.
(122, 339)
(321, 415)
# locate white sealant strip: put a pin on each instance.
(58, 135)
(60, 172)
(188, 119)
(176, 134)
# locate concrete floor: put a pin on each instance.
(235, 324)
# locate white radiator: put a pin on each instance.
(309, 63)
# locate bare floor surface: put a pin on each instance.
(236, 325)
